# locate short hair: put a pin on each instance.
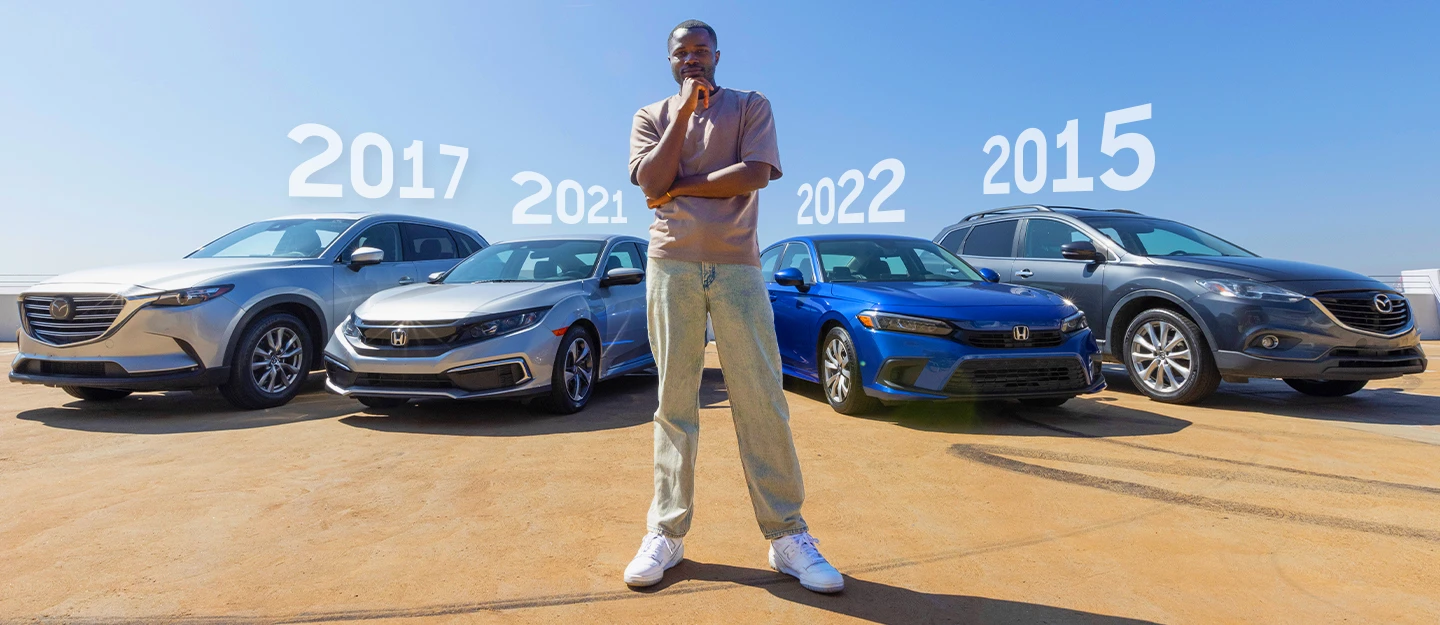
(689, 24)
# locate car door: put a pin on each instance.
(626, 336)
(796, 312)
(354, 284)
(991, 246)
(429, 247)
(1040, 264)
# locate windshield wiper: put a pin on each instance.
(498, 280)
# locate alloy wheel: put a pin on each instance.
(1160, 356)
(579, 370)
(837, 371)
(275, 363)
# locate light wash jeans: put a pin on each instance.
(678, 294)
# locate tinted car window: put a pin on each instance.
(952, 241)
(529, 261)
(278, 238)
(467, 244)
(768, 260)
(862, 260)
(427, 243)
(1043, 238)
(798, 256)
(995, 239)
(623, 256)
(1159, 237)
(384, 237)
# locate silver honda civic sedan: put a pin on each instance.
(545, 318)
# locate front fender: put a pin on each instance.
(1115, 335)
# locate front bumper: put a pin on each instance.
(515, 365)
(1312, 343)
(146, 348)
(1341, 363)
(911, 367)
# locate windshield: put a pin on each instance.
(1157, 237)
(277, 238)
(862, 260)
(529, 261)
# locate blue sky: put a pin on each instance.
(139, 131)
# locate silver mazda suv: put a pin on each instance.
(248, 313)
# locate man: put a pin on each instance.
(701, 156)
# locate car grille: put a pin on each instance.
(402, 380)
(1356, 309)
(92, 317)
(378, 333)
(1006, 376)
(1006, 339)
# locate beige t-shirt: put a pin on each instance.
(737, 127)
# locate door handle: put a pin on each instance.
(774, 297)
(406, 280)
(1024, 273)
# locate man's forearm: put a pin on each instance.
(658, 169)
(737, 179)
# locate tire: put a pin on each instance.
(270, 363)
(1327, 388)
(1184, 371)
(382, 402)
(576, 370)
(90, 393)
(840, 375)
(1044, 402)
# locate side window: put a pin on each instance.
(622, 256)
(768, 260)
(427, 243)
(797, 255)
(644, 255)
(995, 239)
(952, 241)
(385, 237)
(1043, 238)
(467, 244)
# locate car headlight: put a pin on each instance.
(892, 322)
(348, 328)
(1246, 289)
(1074, 323)
(497, 326)
(191, 297)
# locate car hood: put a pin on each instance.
(1262, 269)
(448, 302)
(948, 294)
(166, 275)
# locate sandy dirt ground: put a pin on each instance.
(1261, 505)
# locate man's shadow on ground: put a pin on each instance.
(881, 603)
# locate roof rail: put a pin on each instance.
(1008, 209)
(1043, 209)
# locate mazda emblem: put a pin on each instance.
(62, 309)
(398, 338)
(1021, 333)
(1382, 303)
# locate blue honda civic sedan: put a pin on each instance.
(887, 319)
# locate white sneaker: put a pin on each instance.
(657, 554)
(797, 556)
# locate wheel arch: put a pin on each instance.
(308, 311)
(1132, 305)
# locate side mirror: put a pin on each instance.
(622, 275)
(363, 256)
(989, 274)
(1081, 250)
(434, 278)
(791, 276)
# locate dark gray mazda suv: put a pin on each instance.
(1183, 309)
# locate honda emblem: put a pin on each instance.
(398, 337)
(1021, 333)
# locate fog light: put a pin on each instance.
(1269, 341)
